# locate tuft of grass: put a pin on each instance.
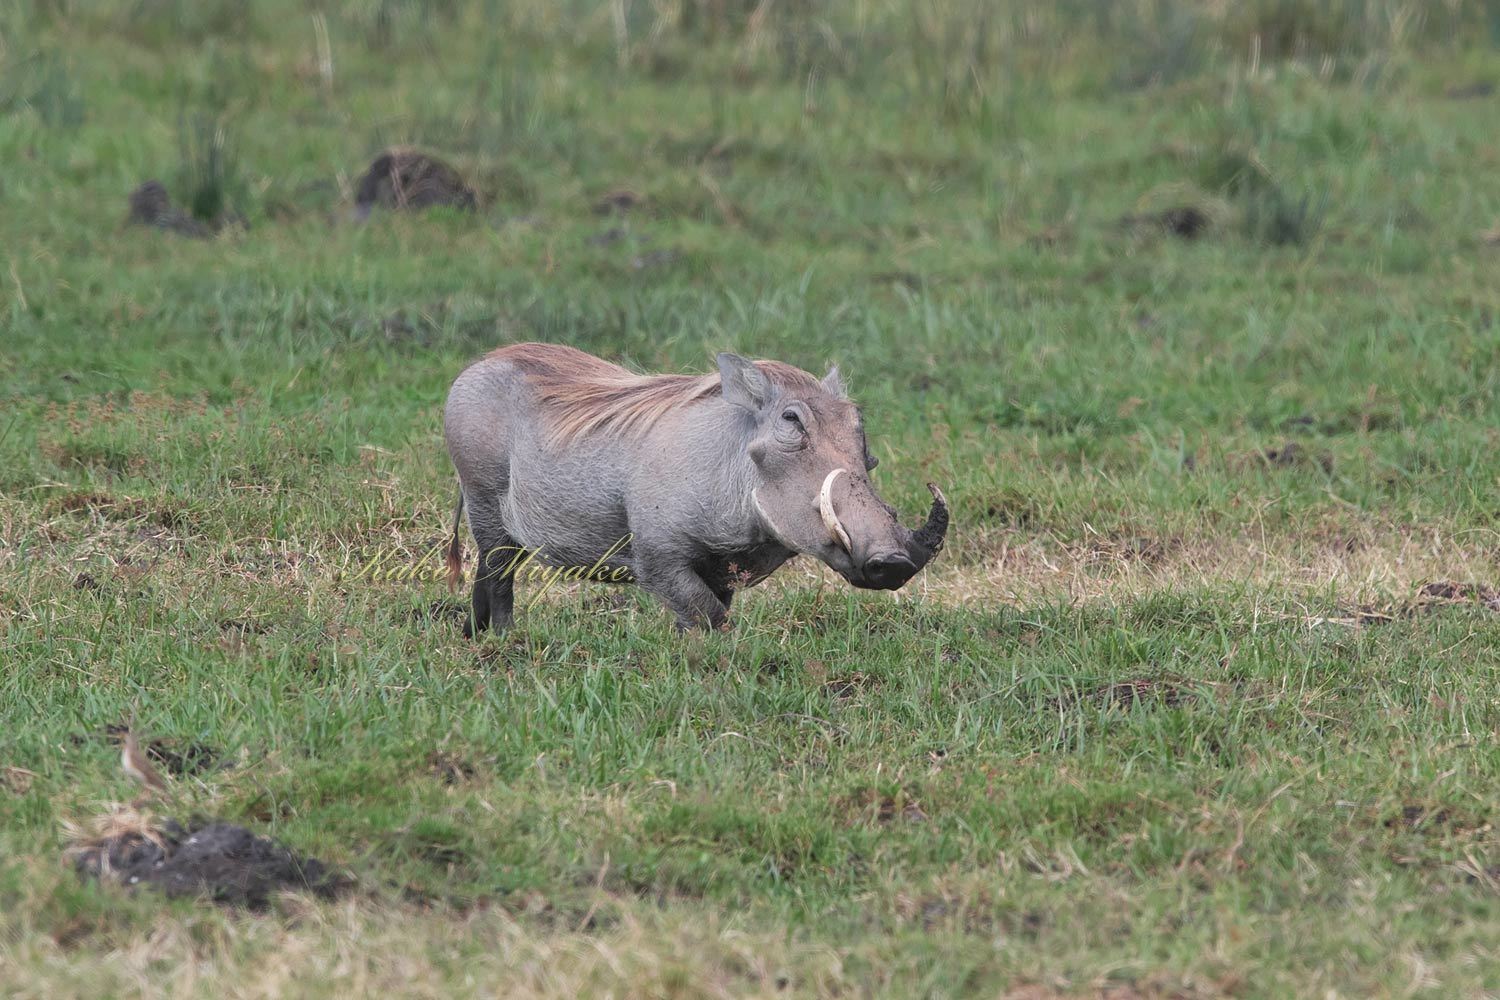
(209, 176)
(1282, 219)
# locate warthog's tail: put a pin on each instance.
(456, 546)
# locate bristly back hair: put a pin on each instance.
(589, 394)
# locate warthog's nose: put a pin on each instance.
(888, 572)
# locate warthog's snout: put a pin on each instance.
(886, 572)
(878, 553)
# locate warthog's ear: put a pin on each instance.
(744, 384)
(833, 383)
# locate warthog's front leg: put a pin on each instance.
(682, 590)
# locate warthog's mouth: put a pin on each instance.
(888, 572)
(885, 570)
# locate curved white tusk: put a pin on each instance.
(830, 519)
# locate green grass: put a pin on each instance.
(1171, 716)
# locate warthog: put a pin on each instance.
(690, 485)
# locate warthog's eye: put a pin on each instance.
(870, 462)
(791, 429)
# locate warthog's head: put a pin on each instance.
(812, 489)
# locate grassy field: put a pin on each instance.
(1191, 309)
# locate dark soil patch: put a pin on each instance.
(1445, 592)
(76, 930)
(1376, 614)
(404, 179)
(870, 804)
(618, 202)
(846, 686)
(1294, 456)
(150, 205)
(178, 757)
(83, 581)
(450, 767)
(219, 861)
(772, 666)
(1414, 817)
(1184, 221)
(1429, 598)
(1148, 549)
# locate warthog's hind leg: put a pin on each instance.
(494, 584)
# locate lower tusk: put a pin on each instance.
(830, 519)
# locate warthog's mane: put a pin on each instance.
(583, 394)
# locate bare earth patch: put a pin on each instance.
(222, 862)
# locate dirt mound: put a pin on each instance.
(402, 179)
(219, 861)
